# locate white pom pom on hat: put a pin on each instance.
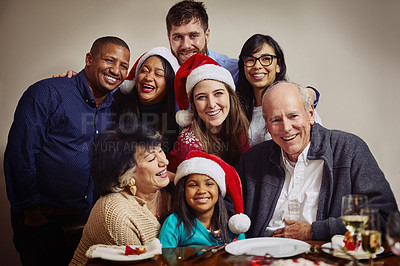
(227, 179)
(195, 69)
(129, 82)
(184, 117)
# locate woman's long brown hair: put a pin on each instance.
(232, 138)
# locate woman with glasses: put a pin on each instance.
(261, 62)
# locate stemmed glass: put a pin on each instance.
(371, 235)
(393, 232)
(351, 214)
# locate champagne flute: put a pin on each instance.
(393, 232)
(371, 235)
(351, 215)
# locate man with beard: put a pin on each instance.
(188, 33)
(46, 162)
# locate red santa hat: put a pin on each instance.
(195, 69)
(129, 82)
(227, 179)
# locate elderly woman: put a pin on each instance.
(129, 173)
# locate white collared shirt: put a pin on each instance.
(299, 196)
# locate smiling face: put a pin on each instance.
(151, 171)
(187, 39)
(150, 82)
(260, 76)
(287, 120)
(106, 69)
(201, 193)
(211, 99)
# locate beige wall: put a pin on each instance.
(347, 49)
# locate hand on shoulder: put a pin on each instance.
(69, 74)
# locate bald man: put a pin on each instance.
(293, 184)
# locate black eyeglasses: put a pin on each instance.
(265, 60)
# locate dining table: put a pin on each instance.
(178, 256)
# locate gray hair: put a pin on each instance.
(124, 180)
(303, 93)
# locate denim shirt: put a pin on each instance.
(231, 64)
(47, 161)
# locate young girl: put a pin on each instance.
(215, 123)
(199, 215)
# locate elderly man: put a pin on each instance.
(293, 185)
(46, 162)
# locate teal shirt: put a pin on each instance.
(172, 235)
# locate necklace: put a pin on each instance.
(217, 235)
(154, 204)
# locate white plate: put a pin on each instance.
(359, 255)
(275, 246)
(117, 253)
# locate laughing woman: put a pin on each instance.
(147, 95)
(216, 123)
(129, 173)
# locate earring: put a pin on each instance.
(132, 186)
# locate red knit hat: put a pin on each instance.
(129, 82)
(195, 69)
(227, 179)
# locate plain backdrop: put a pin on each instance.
(348, 49)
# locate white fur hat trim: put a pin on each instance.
(198, 165)
(160, 51)
(127, 86)
(207, 72)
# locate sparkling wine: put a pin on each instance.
(354, 223)
(371, 241)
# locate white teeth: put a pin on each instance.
(213, 113)
(186, 54)
(202, 200)
(258, 75)
(289, 138)
(111, 78)
(162, 173)
(147, 86)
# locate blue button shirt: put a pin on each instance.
(47, 155)
(230, 64)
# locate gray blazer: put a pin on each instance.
(349, 168)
